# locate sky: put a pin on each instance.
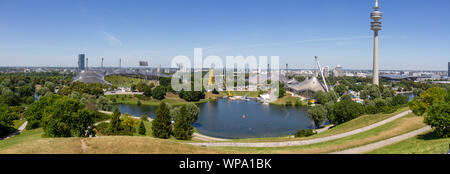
(415, 35)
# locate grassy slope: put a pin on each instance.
(18, 123)
(397, 127)
(31, 142)
(288, 98)
(421, 144)
(171, 99)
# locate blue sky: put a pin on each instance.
(415, 35)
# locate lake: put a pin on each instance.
(239, 119)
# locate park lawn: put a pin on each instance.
(123, 81)
(288, 98)
(426, 143)
(400, 126)
(171, 99)
(18, 123)
(362, 121)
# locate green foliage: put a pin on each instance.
(129, 124)
(344, 111)
(318, 114)
(304, 133)
(214, 91)
(341, 89)
(36, 110)
(144, 118)
(192, 95)
(95, 89)
(114, 124)
(399, 100)
(6, 120)
(147, 91)
(183, 129)
(50, 85)
(142, 130)
(161, 127)
(103, 103)
(67, 117)
(282, 90)
(420, 104)
(159, 93)
(438, 117)
(165, 81)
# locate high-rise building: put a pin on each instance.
(81, 60)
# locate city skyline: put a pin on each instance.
(158, 31)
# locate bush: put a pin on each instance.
(304, 133)
(141, 130)
(144, 118)
(6, 120)
(318, 114)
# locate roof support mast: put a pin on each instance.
(321, 73)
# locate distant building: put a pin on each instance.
(326, 71)
(81, 62)
(338, 71)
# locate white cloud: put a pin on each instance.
(113, 40)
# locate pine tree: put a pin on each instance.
(114, 125)
(141, 130)
(161, 124)
(183, 129)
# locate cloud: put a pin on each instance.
(113, 40)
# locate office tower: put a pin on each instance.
(81, 60)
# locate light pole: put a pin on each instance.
(376, 15)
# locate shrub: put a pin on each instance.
(142, 130)
(304, 133)
(159, 93)
(144, 118)
(318, 114)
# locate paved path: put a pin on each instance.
(18, 131)
(208, 138)
(373, 146)
(303, 142)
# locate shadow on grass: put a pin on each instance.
(429, 136)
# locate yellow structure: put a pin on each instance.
(211, 77)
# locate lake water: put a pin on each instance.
(239, 119)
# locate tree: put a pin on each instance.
(183, 129)
(50, 85)
(26, 91)
(6, 120)
(147, 91)
(318, 114)
(320, 97)
(438, 117)
(341, 89)
(399, 100)
(282, 90)
(142, 130)
(162, 123)
(67, 117)
(114, 125)
(159, 93)
(36, 110)
(129, 124)
(43, 91)
(344, 111)
(192, 112)
(103, 103)
(216, 92)
(434, 95)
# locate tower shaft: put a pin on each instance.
(375, 59)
